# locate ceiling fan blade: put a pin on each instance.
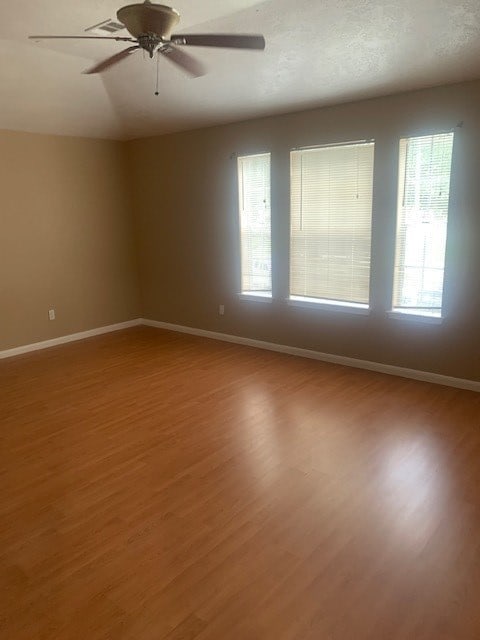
(117, 38)
(218, 40)
(110, 62)
(183, 60)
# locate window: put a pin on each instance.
(331, 219)
(255, 224)
(422, 213)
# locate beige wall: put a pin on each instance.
(68, 221)
(185, 208)
(65, 237)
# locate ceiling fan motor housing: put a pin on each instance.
(148, 19)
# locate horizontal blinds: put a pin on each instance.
(422, 214)
(255, 223)
(331, 218)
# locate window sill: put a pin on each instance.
(412, 317)
(323, 305)
(255, 297)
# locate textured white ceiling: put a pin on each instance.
(318, 52)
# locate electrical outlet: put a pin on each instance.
(51, 314)
(221, 310)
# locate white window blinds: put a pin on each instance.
(255, 224)
(331, 219)
(422, 213)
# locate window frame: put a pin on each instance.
(251, 296)
(326, 304)
(396, 313)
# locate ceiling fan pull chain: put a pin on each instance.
(158, 73)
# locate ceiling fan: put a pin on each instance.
(150, 26)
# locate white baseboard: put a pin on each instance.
(45, 344)
(424, 376)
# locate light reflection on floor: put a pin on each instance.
(407, 487)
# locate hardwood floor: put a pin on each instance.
(163, 487)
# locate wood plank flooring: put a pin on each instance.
(156, 486)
